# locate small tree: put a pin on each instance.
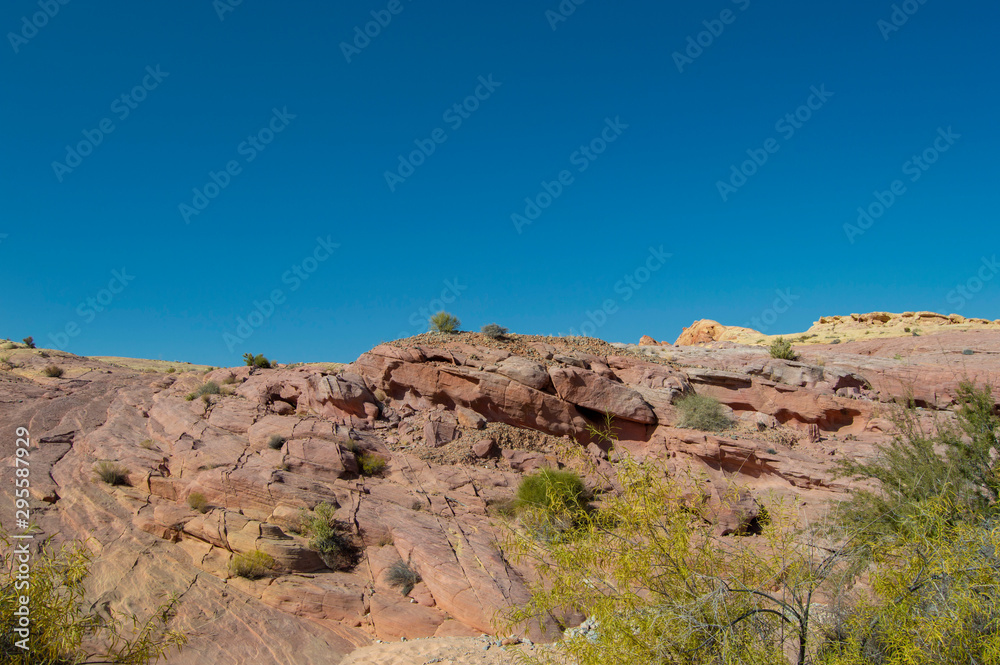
(29, 342)
(444, 322)
(258, 360)
(494, 331)
(781, 348)
(65, 629)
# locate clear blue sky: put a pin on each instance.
(199, 89)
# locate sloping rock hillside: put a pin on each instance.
(457, 419)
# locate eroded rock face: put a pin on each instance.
(461, 420)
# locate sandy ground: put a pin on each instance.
(441, 650)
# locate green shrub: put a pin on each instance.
(210, 388)
(968, 352)
(197, 501)
(171, 370)
(257, 361)
(401, 575)
(53, 371)
(911, 470)
(275, 442)
(111, 473)
(329, 537)
(66, 626)
(703, 413)
(552, 490)
(781, 348)
(370, 464)
(29, 342)
(251, 565)
(444, 322)
(494, 331)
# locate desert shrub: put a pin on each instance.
(258, 360)
(494, 331)
(552, 491)
(910, 471)
(6, 361)
(171, 370)
(703, 413)
(275, 442)
(111, 473)
(7, 346)
(209, 388)
(401, 574)
(251, 565)
(968, 352)
(835, 340)
(329, 537)
(65, 628)
(197, 501)
(380, 395)
(53, 371)
(29, 342)
(370, 464)
(657, 586)
(147, 444)
(444, 322)
(781, 348)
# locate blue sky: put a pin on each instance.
(626, 124)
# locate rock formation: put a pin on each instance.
(457, 419)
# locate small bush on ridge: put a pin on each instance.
(781, 348)
(444, 322)
(494, 331)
